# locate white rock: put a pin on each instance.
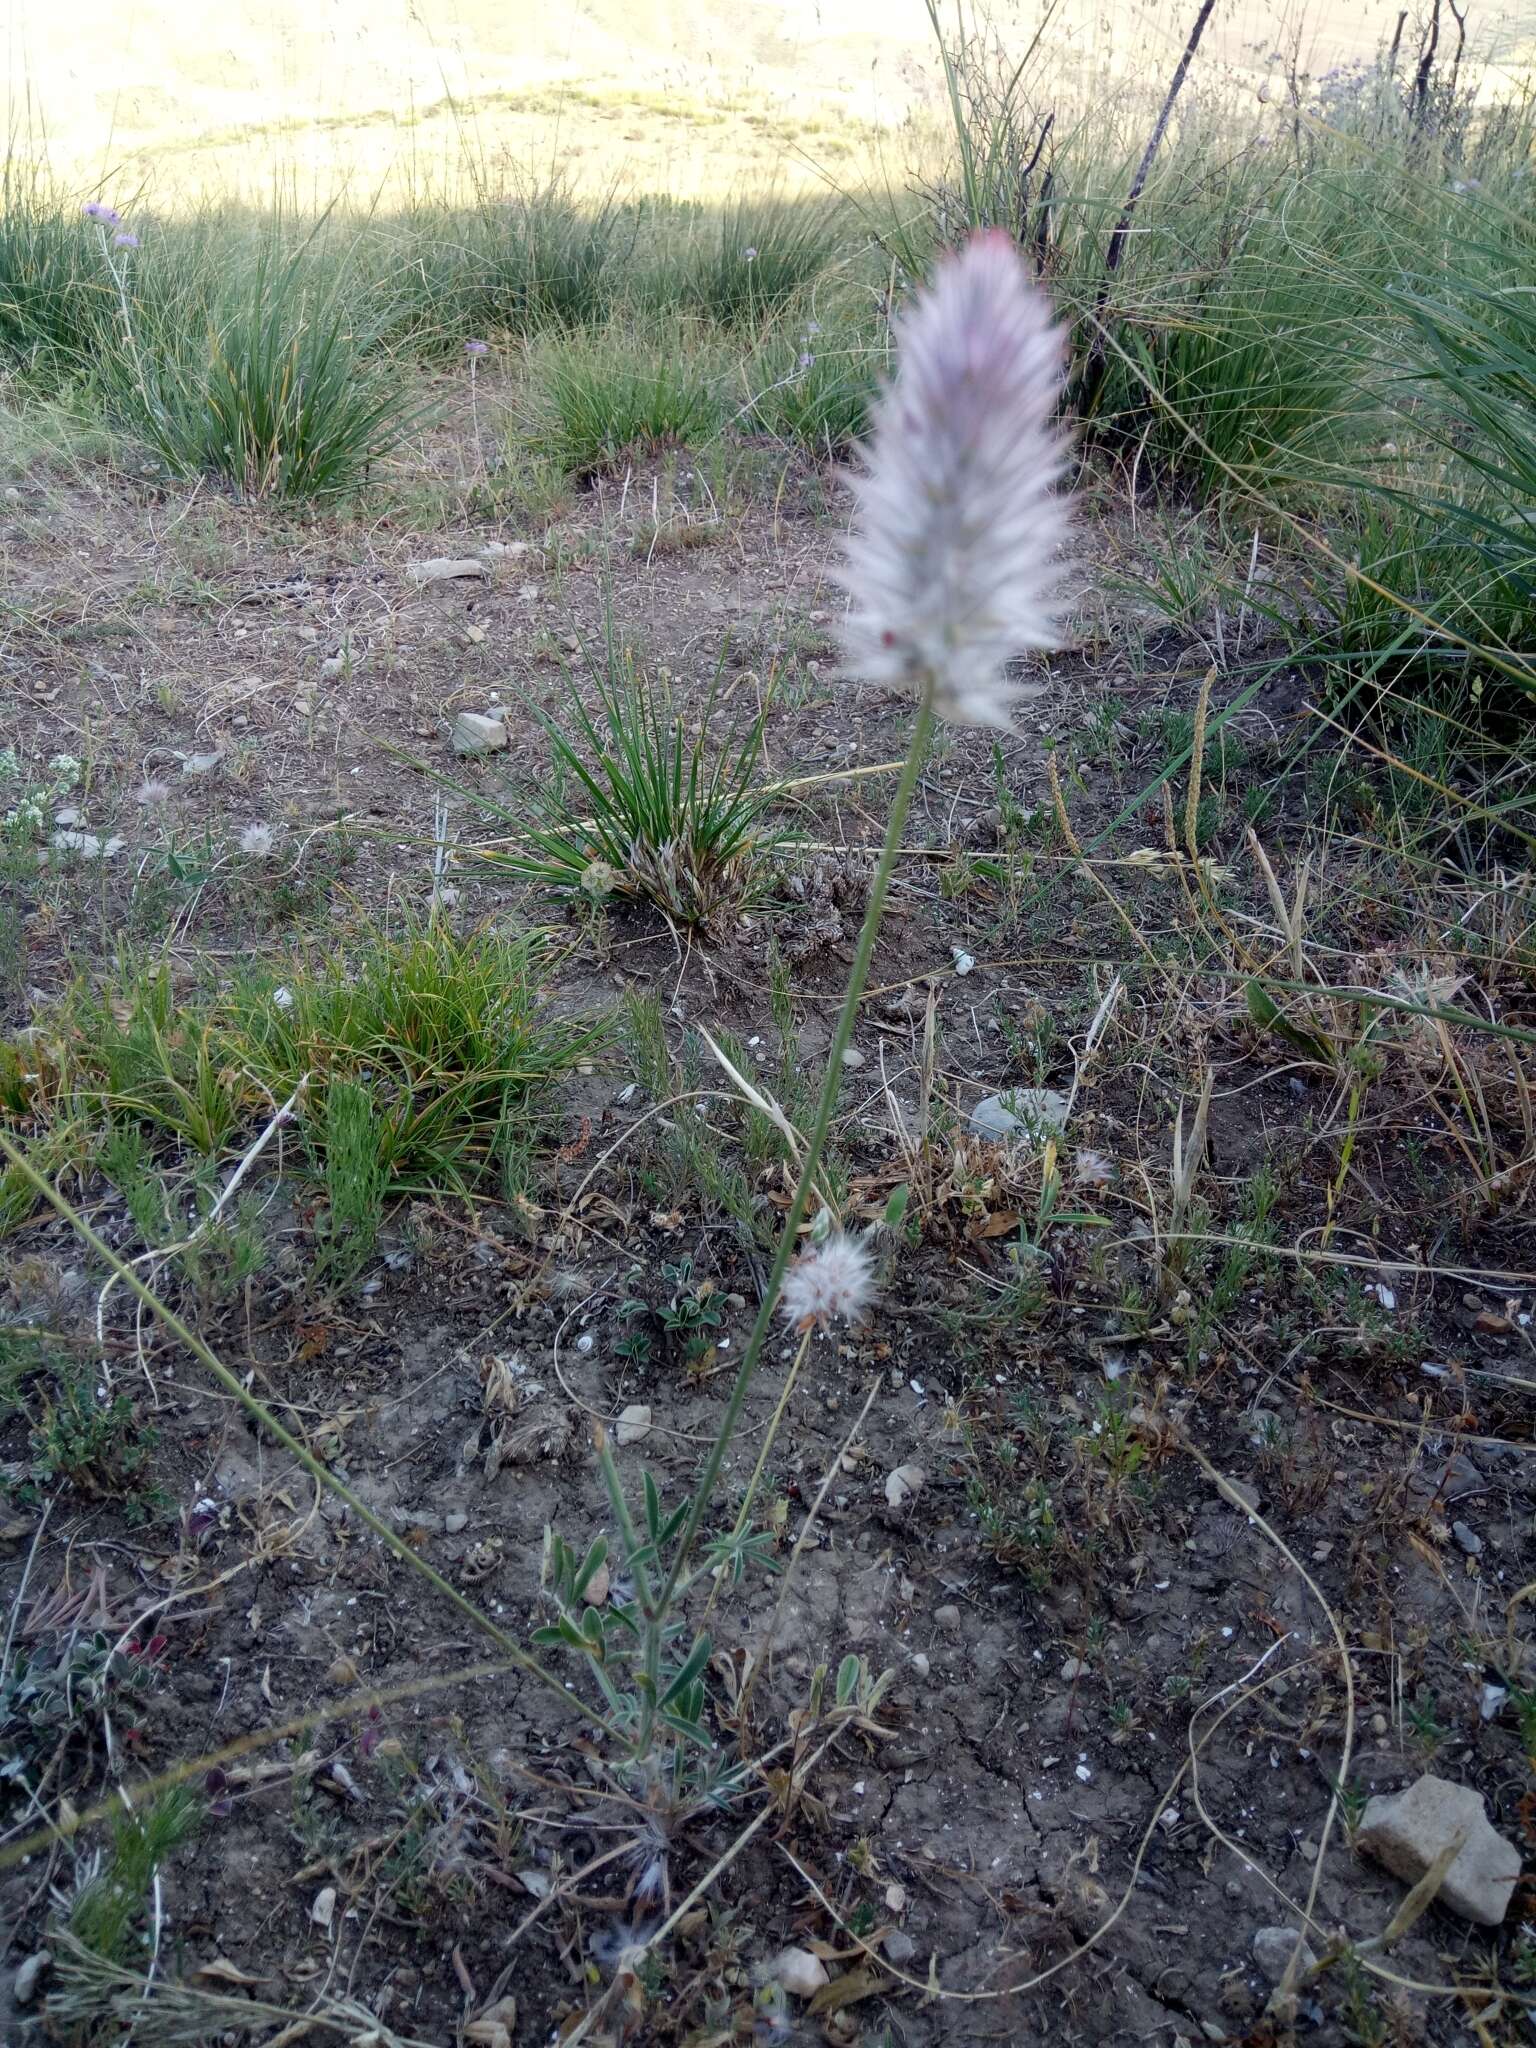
(800, 1973)
(475, 733)
(444, 568)
(634, 1423)
(921, 1665)
(323, 1911)
(88, 845)
(1074, 1669)
(904, 1484)
(1036, 1112)
(1273, 1948)
(24, 1984)
(1407, 1830)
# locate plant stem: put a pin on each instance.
(859, 974)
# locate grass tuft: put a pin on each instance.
(641, 809)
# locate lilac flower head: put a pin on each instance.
(125, 240)
(96, 209)
(951, 566)
(477, 348)
(749, 255)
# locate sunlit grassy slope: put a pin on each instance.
(686, 96)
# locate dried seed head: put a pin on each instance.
(832, 1280)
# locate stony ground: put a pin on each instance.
(1215, 1513)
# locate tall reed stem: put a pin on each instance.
(911, 768)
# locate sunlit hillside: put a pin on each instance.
(687, 96)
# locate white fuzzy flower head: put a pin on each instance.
(1091, 1169)
(151, 792)
(257, 841)
(952, 564)
(833, 1279)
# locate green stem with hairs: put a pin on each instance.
(910, 770)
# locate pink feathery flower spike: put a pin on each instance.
(952, 565)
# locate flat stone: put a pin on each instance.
(948, 1617)
(476, 733)
(1273, 1948)
(1073, 1669)
(1029, 1112)
(1407, 1830)
(899, 1948)
(89, 845)
(1467, 1539)
(444, 568)
(634, 1423)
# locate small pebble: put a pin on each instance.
(948, 1617)
(1468, 1539)
(24, 1984)
(456, 1522)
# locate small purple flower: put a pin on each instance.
(477, 348)
(749, 255)
(96, 209)
(125, 240)
(804, 360)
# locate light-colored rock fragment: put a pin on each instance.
(1035, 1113)
(1407, 1830)
(1272, 1951)
(634, 1423)
(445, 568)
(801, 1974)
(24, 1984)
(902, 1484)
(476, 733)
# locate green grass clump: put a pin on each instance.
(447, 1033)
(515, 263)
(425, 1057)
(640, 809)
(624, 390)
(813, 388)
(274, 393)
(108, 1909)
(55, 298)
(760, 254)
